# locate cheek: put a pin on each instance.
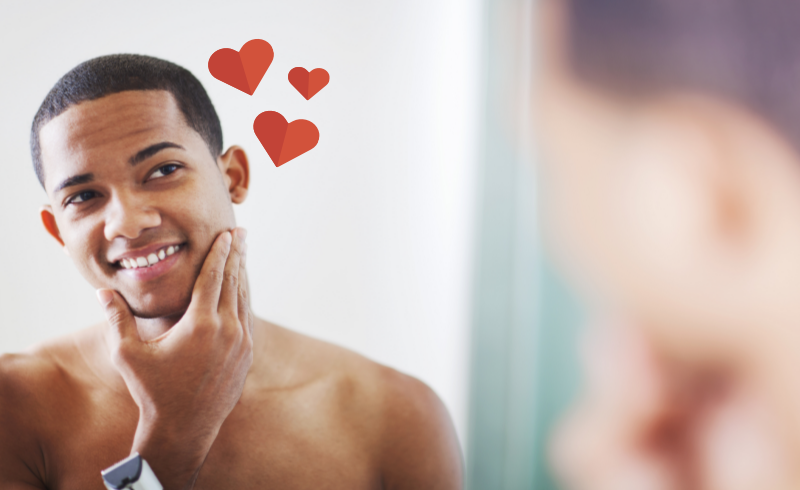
(202, 210)
(85, 243)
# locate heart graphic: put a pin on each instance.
(308, 84)
(284, 141)
(242, 69)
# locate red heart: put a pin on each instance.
(242, 69)
(284, 141)
(308, 84)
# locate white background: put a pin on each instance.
(365, 241)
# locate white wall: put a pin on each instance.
(365, 241)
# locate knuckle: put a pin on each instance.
(232, 330)
(231, 279)
(248, 346)
(116, 317)
(214, 322)
(206, 324)
(215, 275)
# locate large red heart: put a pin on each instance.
(242, 69)
(308, 84)
(284, 141)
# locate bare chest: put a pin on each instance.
(266, 442)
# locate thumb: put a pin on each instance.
(119, 316)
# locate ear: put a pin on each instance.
(236, 173)
(49, 222)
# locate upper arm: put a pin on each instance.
(419, 447)
(20, 455)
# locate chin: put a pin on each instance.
(150, 308)
(164, 311)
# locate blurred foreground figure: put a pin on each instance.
(671, 136)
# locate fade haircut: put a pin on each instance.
(115, 73)
(742, 50)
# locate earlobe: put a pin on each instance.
(49, 222)
(236, 171)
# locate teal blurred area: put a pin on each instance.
(524, 368)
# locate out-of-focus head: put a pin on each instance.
(670, 132)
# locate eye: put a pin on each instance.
(82, 197)
(164, 170)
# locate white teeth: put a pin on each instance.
(151, 259)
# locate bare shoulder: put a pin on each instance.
(33, 380)
(23, 377)
(404, 421)
(25, 381)
(419, 446)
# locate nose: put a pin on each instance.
(128, 215)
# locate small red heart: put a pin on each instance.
(284, 141)
(242, 69)
(308, 84)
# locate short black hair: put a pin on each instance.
(744, 51)
(116, 73)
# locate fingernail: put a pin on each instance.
(241, 233)
(104, 296)
(226, 237)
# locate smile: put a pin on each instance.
(150, 260)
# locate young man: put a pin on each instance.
(671, 131)
(129, 151)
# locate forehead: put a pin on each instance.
(110, 130)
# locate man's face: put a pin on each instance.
(127, 178)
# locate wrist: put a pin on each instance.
(175, 455)
(132, 473)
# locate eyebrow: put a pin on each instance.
(152, 150)
(74, 180)
(139, 157)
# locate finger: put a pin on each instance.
(228, 300)
(244, 296)
(119, 317)
(205, 295)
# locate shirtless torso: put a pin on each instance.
(312, 415)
